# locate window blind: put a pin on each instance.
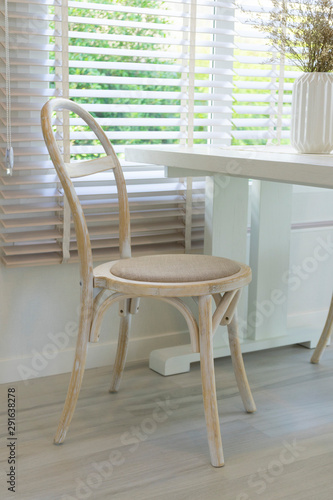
(262, 89)
(151, 72)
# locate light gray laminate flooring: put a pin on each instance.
(149, 441)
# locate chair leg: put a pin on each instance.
(120, 360)
(238, 365)
(208, 381)
(324, 338)
(77, 372)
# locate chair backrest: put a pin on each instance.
(67, 171)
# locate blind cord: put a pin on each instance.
(9, 159)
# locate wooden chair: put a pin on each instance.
(325, 336)
(162, 277)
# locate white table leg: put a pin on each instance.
(271, 205)
(226, 217)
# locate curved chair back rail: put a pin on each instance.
(67, 171)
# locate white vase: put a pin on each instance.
(312, 113)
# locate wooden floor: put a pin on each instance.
(149, 440)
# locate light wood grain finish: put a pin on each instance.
(104, 301)
(120, 360)
(135, 305)
(103, 278)
(238, 364)
(127, 292)
(83, 241)
(222, 306)
(79, 361)
(227, 318)
(84, 168)
(325, 336)
(57, 159)
(208, 381)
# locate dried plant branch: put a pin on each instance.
(301, 31)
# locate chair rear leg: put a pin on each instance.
(208, 381)
(120, 360)
(238, 365)
(324, 338)
(77, 373)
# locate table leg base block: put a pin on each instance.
(175, 360)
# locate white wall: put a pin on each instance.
(38, 309)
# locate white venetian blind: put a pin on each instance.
(262, 93)
(151, 72)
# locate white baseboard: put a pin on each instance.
(101, 354)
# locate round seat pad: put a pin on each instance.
(175, 268)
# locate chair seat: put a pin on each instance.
(197, 274)
(175, 268)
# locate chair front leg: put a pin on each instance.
(238, 365)
(208, 381)
(78, 367)
(325, 336)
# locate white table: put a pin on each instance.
(263, 314)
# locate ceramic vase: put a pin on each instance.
(312, 113)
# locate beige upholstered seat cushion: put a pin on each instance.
(175, 268)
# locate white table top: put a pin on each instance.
(271, 163)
